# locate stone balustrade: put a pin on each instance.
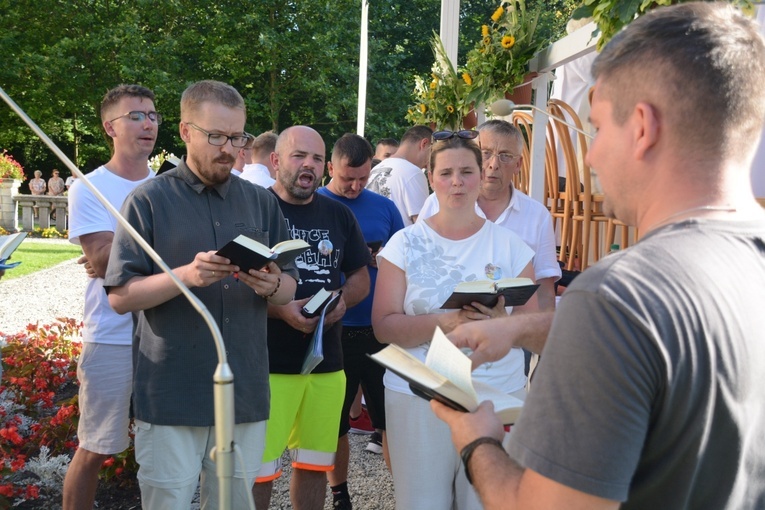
(44, 204)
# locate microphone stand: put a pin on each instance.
(505, 107)
(223, 379)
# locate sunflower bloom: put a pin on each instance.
(484, 30)
(498, 14)
(467, 78)
(508, 41)
(487, 41)
(450, 108)
(423, 108)
(433, 84)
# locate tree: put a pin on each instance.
(294, 62)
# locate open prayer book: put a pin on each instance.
(8, 245)
(446, 377)
(516, 291)
(249, 254)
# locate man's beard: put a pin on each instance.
(297, 191)
(210, 173)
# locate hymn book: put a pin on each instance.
(324, 299)
(516, 291)
(250, 254)
(315, 352)
(446, 377)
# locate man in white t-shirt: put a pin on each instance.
(261, 171)
(385, 148)
(501, 203)
(243, 158)
(105, 366)
(400, 177)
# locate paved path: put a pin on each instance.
(58, 291)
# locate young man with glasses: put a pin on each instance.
(105, 368)
(186, 214)
(499, 202)
(401, 178)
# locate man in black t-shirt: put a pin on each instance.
(305, 409)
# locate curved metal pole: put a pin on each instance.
(223, 378)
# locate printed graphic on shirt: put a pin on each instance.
(378, 181)
(493, 272)
(316, 263)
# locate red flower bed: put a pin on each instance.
(39, 413)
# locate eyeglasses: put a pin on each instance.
(141, 116)
(504, 157)
(467, 134)
(219, 140)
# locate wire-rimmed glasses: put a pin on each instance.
(139, 116)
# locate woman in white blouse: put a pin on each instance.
(418, 269)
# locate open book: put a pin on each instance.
(446, 377)
(249, 254)
(8, 245)
(516, 291)
(315, 352)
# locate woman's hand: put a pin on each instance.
(482, 312)
(450, 320)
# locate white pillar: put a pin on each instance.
(450, 28)
(363, 51)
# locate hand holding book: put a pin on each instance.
(515, 290)
(446, 377)
(249, 254)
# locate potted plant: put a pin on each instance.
(443, 99)
(499, 61)
(10, 168)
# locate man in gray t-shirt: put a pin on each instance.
(650, 392)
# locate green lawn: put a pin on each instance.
(36, 256)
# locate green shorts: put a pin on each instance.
(305, 416)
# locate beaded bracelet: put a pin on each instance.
(278, 284)
(468, 450)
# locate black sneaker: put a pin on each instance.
(375, 443)
(342, 504)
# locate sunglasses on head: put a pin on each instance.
(467, 134)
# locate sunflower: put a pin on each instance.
(508, 42)
(449, 108)
(423, 108)
(484, 30)
(467, 78)
(498, 14)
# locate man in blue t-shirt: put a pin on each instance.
(379, 219)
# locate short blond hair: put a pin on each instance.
(209, 91)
